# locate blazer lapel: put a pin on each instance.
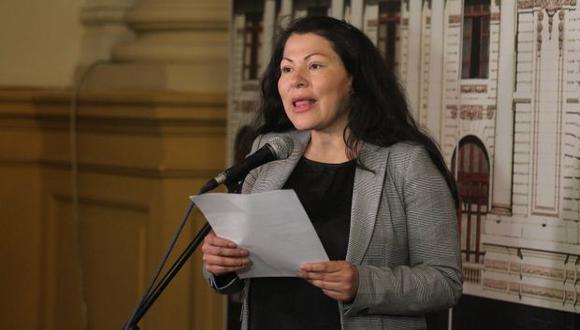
(275, 174)
(367, 192)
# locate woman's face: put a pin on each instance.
(314, 84)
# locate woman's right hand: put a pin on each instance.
(222, 256)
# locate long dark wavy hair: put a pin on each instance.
(378, 112)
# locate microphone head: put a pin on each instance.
(281, 146)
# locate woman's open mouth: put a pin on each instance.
(303, 104)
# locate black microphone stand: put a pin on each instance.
(147, 302)
(152, 297)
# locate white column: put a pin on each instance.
(435, 108)
(268, 24)
(285, 13)
(286, 8)
(357, 10)
(104, 27)
(502, 162)
(180, 45)
(414, 57)
(175, 30)
(337, 10)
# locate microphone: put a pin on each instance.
(278, 148)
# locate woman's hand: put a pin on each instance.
(337, 279)
(222, 256)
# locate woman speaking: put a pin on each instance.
(375, 187)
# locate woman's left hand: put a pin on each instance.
(337, 279)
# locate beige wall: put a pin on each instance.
(151, 131)
(40, 42)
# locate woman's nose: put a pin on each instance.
(299, 79)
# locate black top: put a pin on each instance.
(325, 191)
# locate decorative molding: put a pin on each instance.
(105, 25)
(472, 272)
(550, 8)
(136, 98)
(124, 113)
(454, 19)
(495, 284)
(501, 210)
(545, 161)
(533, 273)
(168, 118)
(552, 5)
(174, 31)
(109, 13)
(526, 4)
(479, 89)
(498, 265)
(471, 112)
(162, 171)
(452, 111)
(491, 110)
(159, 15)
(522, 100)
(520, 289)
(542, 271)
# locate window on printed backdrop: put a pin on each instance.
(471, 169)
(475, 54)
(252, 36)
(389, 23)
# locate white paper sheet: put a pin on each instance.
(272, 225)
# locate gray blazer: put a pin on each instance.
(403, 235)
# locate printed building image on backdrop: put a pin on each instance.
(497, 84)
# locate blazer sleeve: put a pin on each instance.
(433, 278)
(231, 283)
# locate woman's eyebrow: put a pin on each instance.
(313, 54)
(305, 57)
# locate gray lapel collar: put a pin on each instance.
(274, 175)
(368, 187)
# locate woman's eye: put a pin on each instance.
(285, 69)
(315, 66)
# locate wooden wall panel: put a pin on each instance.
(20, 237)
(140, 156)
